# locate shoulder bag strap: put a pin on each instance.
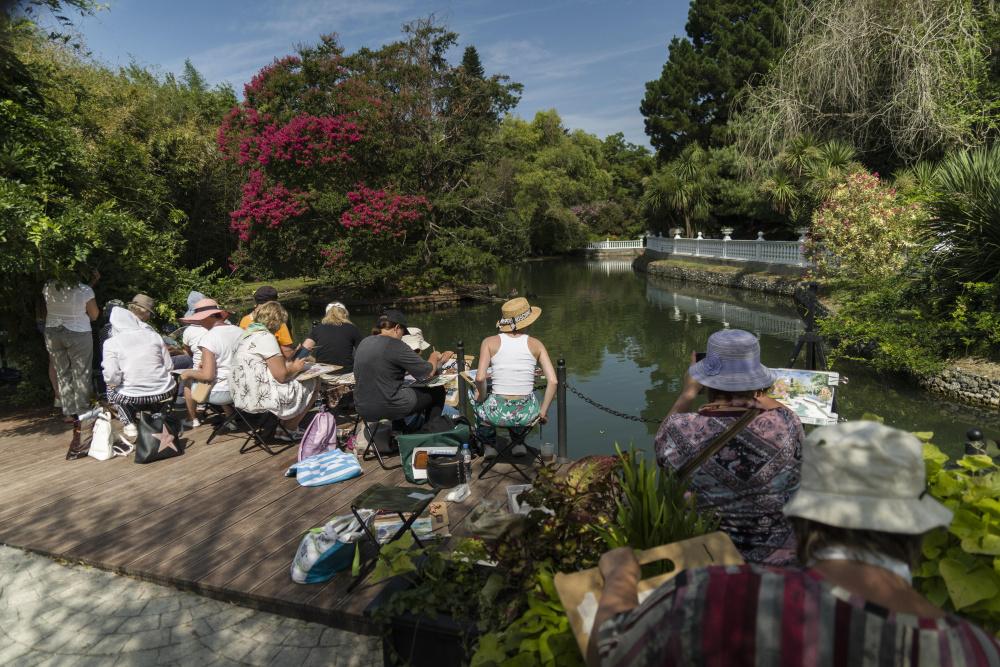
(688, 468)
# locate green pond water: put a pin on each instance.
(627, 341)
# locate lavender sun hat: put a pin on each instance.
(732, 363)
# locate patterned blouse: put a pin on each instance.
(748, 481)
(749, 615)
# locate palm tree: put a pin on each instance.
(781, 189)
(681, 188)
(965, 226)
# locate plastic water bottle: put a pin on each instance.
(461, 492)
(466, 464)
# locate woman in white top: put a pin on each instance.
(216, 355)
(69, 310)
(137, 367)
(513, 355)
(263, 380)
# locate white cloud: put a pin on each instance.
(514, 54)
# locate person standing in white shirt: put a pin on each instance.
(69, 310)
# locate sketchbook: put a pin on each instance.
(809, 394)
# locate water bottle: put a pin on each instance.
(466, 464)
(461, 492)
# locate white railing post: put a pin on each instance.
(758, 246)
(697, 245)
(726, 238)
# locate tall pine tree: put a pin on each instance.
(728, 43)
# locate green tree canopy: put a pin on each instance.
(728, 44)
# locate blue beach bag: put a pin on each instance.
(329, 549)
(326, 468)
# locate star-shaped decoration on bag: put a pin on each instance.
(166, 439)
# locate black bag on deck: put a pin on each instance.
(159, 437)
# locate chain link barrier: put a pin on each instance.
(611, 411)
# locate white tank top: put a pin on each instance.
(513, 367)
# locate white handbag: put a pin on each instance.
(100, 437)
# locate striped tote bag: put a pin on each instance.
(327, 468)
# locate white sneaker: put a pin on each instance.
(130, 431)
(489, 452)
(189, 424)
(518, 450)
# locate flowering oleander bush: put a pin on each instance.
(863, 230)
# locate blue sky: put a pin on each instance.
(589, 59)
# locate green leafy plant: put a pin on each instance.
(961, 568)
(540, 636)
(565, 535)
(653, 507)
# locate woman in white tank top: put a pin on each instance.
(513, 355)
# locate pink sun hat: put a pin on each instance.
(202, 310)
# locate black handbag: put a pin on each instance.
(159, 437)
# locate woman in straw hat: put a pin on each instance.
(750, 478)
(860, 516)
(512, 355)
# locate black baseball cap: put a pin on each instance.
(265, 294)
(396, 316)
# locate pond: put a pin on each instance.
(627, 342)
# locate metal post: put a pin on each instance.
(463, 395)
(561, 406)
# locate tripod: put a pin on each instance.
(810, 340)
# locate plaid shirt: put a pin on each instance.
(756, 616)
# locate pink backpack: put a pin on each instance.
(321, 436)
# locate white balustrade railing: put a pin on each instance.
(630, 244)
(759, 250)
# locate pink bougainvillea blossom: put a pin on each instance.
(308, 140)
(240, 133)
(382, 212)
(264, 206)
(259, 82)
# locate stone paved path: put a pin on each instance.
(53, 614)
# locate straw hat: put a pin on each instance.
(145, 302)
(732, 363)
(203, 310)
(517, 314)
(415, 339)
(863, 475)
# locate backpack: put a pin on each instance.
(320, 436)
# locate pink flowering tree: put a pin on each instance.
(863, 230)
(343, 155)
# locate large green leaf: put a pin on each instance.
(965, 586)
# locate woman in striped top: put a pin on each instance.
(859, 518)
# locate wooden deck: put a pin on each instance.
(212, 521)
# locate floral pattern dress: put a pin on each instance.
(253, 387)
(748, 481)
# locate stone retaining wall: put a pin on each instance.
(964, 385)
(738, 279)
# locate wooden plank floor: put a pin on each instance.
(212, 521)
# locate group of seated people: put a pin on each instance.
(253, 367)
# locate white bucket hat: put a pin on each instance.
(863, 475)
(415, 339)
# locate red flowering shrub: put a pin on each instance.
(264, 206)
(381, 212)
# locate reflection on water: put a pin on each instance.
(627, 344)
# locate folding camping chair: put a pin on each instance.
(260, 429)
(407, 502)
(504, 451)
(371, 428)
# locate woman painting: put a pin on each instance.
(750, 479)
(263, 380)
(512, 355)
(334, 340)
